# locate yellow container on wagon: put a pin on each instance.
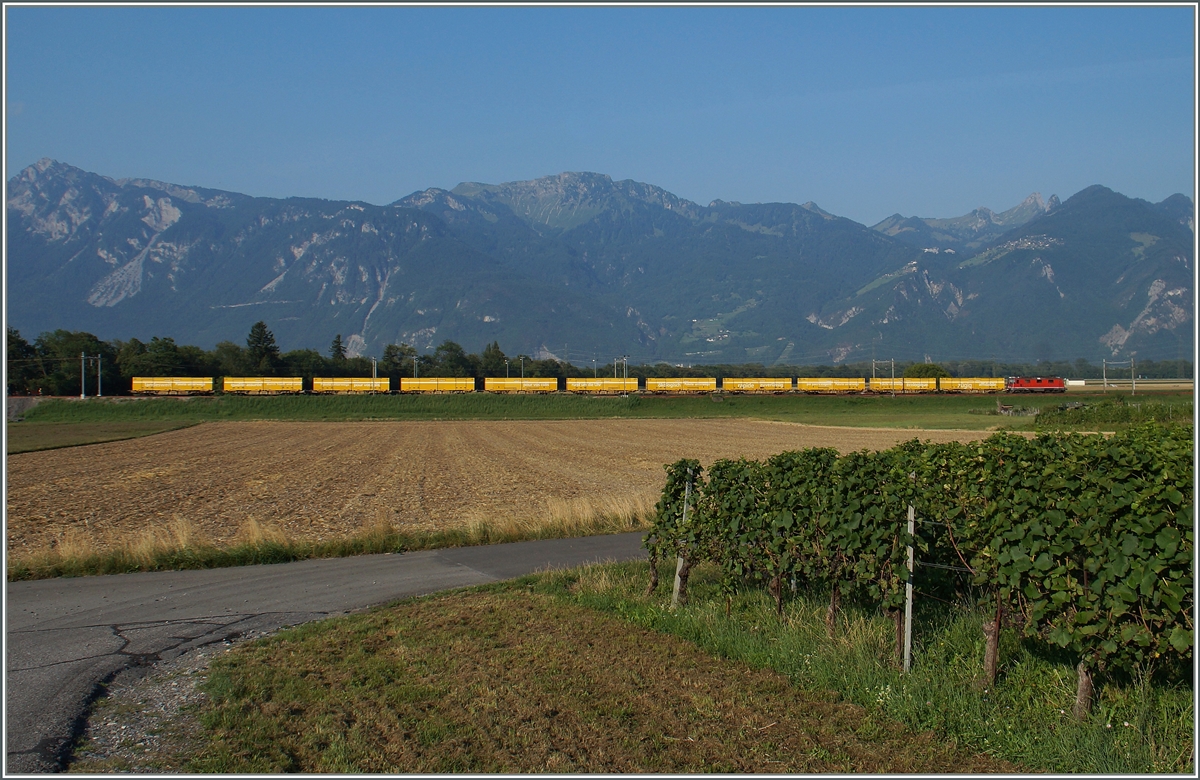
(263, 385)
(437, 384)
(503, 385)
(902, 385)
(349, 385)
(971, 384)
(830, 385)
(172, 385)
(682, 385)
(757, 385)
(602, 386)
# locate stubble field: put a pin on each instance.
(317, 481)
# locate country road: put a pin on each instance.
(67, 636)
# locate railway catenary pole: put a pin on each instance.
(99, 366)
(1132, 376)
(82, 375)
(893, 377)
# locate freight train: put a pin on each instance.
(596, 386)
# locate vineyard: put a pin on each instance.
(1082, 542)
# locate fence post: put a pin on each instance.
(908, 593)
(681, 566)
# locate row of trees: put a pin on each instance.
(51, 364)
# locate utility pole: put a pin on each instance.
(82, 375)
(506, 368)
(1132, 376)
(893, 377)
(595, 374)
(1104, 372)
(522, 368)
(374, 376)
(99, 366)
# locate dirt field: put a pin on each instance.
(319, 481)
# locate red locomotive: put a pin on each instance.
(1035, 384)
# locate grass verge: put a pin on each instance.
(179, 546)
(1137, 726)
(514, 679)
(581, 671)
(965, 412)
(35, 436)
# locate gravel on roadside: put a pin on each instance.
(146, 720)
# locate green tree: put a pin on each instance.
(263, 351)
(491, 362)
(398, 360)
(60, 365)
(925, 371)
(306, 363)
(451, 360)
(337, 350)
(228, 359)
(22, 362)
(161, 357)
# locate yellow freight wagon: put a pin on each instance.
(349, 385)
(437, 384)
(761, 385)
(683, 385)
(171, 385)
(262, 385)
(902, 385)
(830, 385)
(602, 386)
(971, 384)
(502, 385)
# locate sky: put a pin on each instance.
(867, 111)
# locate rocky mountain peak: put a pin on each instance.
(568, 199)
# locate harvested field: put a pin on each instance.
(318, 481)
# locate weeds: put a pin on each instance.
(1138, 726)
(180, 545)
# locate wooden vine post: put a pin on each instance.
(682, 565)
(1083, 692)
(832, 611)
(908, 591)
(991, 650)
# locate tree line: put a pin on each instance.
(51, 364)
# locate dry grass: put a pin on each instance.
(515, 681)
(180, 543)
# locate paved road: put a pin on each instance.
(67, 636)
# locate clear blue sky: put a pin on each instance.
(865, 110)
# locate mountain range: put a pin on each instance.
(578, 266)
